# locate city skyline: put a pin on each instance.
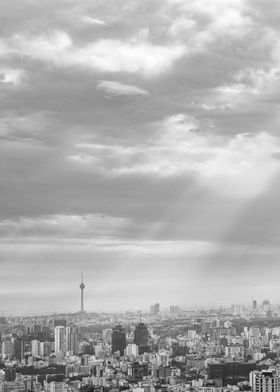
(152, 309)
(139, 143)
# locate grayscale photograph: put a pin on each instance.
(139, 195)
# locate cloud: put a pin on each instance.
(116, 89)
(250, 81)
(93, 21)
(12, 76)
(197, 160)
(208, 24)
(63, 226)
(108, 55)
(213, 106)
(238, 166)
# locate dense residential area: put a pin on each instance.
(203, 350)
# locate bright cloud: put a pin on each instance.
(93, 21)
(12, 76)
(116, 89)
(109, 55)
(242, 165)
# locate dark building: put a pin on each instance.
(60, 322)
(10, 374)
(118, 339)
(18, 349)
(177, 351)
(141, 337)
(37, 329)
(139, 370)
(230, 372)
(163, 373)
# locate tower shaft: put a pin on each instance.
(82, 286)
(82, 300)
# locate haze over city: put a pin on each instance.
(140, 145)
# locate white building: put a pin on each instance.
(60, 340)
(35, 348)
(7, 349)
(234, 351)
(265, 381)
(131, 350)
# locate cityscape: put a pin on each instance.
(204, 350)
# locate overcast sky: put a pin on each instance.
(140, 145)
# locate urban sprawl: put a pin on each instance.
(176, 350)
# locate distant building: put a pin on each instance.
(118, 339)
(174, 309)
(154, 309)
(265, 381)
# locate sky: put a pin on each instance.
(139, 144)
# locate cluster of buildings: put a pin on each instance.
(214, 350)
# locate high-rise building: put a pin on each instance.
(265, 381)
(45, 348)
(118, 339)
(154, 309)
(7, 349)
(174, 309)
(35, 348)
(72, 339)
(141, 337)
(255, 305)
(60, 340)
(18, 349)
